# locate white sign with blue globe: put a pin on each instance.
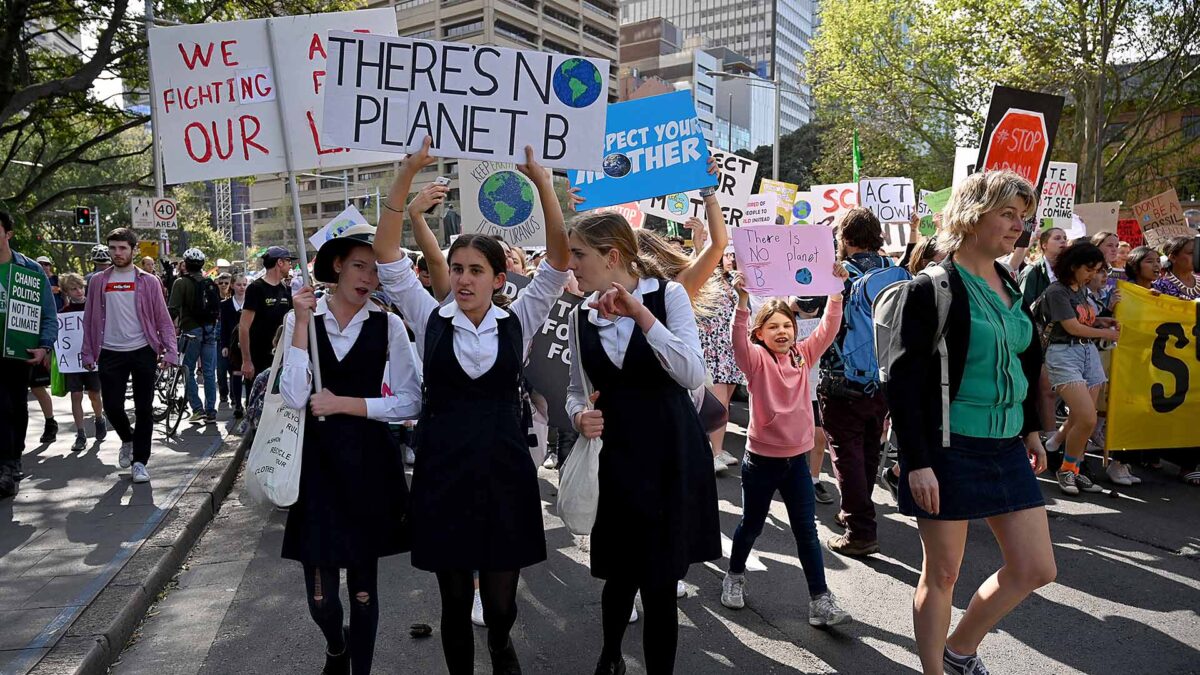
(474, 101)
(498, 199)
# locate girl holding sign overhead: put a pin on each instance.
(636, 344)
(475, 498)
(353, 498)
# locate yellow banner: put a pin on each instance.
(1154, 393)
(786, 193)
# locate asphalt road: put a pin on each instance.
(1126, 599)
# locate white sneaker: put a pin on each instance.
(1129, 474)
(823, 610)
(1118, 474)
(551, 461)
(680, 589)
(719, 467)
(410, 457)
(733, 591)
(477, 610)
(729, 459)
(139, 474)
(633, 616)
(125, 456)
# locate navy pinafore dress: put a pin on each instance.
(353, 504)
(475, 498)
(658, 497)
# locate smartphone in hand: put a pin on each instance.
(440, 180)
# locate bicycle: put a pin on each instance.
(170, 399)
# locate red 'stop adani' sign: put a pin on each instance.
(1019, 133)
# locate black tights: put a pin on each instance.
(498, 591)
(660, 630)
(322, 584)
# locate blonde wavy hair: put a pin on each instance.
(608, 231)
(975, 196)
(671, 262)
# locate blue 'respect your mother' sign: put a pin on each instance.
(652, 147)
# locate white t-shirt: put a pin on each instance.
(123, 331)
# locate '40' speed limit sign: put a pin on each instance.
(165, 212)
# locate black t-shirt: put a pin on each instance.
(270, 304)
(1059, 303)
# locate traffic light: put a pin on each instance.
(83, 215)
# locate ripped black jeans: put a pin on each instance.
(325, 606)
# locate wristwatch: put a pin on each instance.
(708, 191)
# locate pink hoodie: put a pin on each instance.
(781, 418)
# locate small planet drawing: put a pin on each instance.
(577, 83)
(617, 165)
(803, 276)
(678, 203)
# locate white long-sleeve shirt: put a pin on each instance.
(677, 344)
(475, 347)
(403, 375)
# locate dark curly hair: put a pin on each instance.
(1081, 253)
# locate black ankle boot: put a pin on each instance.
(504, 661)
(611, 666)
(339, 664)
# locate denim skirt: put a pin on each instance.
(977, 478)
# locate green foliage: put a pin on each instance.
(915, 76)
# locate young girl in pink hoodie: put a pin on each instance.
(781, 432)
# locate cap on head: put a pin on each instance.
(44, 260)
(193, 255)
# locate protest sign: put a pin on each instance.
(733, 191)
(214, 94)
(340, 223)
(1099, 216)
(1019, 133)
(631, 212)
(1076, 229)
(892, 200)
(20, 312)
(1058, 195)
(1161, 218)
(1153, 367)
(931, 204)
(549, 367)
(68, 348)
(964, 164)
(783, 260)
(896, 237)
(498, 199)
(652, 146)
(474, 101)
(802, 209)
(831, 201)
(1130, 232)
(761, 210)
(785, 194)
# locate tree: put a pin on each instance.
(915, 76)
(51, 122)
(798, 156)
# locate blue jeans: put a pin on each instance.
(761, 478)
(204, 350)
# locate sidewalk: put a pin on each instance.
(83, 551)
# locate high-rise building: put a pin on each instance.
(773, 35)
(582, 27)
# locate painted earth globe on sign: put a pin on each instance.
(337, 227)
(678, 203)
(506, 199)
(801, 210)
(617, 165)
(577, 83)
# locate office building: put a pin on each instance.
(583, 27)
(773, 35)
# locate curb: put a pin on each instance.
(95, 639)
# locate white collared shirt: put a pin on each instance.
(475, 347)
(677, 344)
(402, 374)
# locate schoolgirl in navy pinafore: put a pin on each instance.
(475, 498)
(658, 502)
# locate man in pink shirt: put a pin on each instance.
(127, 331)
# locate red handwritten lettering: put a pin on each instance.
(226, 56)
(312, 126)
(315, 47)
(191, 150)
(204, 57)
(248, 137)
(318, 79)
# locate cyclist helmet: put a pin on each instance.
(194, 255)
(100, 254)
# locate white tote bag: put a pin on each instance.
(579, 485)
(273, 467)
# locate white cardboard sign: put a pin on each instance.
(831, 201)
(1057, 204)
(498, 199)
(761, 209)
(733, 191)
(892, 200)
(214, 94)
(473, 101)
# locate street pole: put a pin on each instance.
(345, 190)
(775, 147)
(154, 140)
(730, 146)
(377, 209)
(243, 219)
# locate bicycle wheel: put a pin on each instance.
(177, 407)
(162, 393)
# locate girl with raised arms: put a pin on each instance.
(475, 498)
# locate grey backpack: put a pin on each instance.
(886, 313)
